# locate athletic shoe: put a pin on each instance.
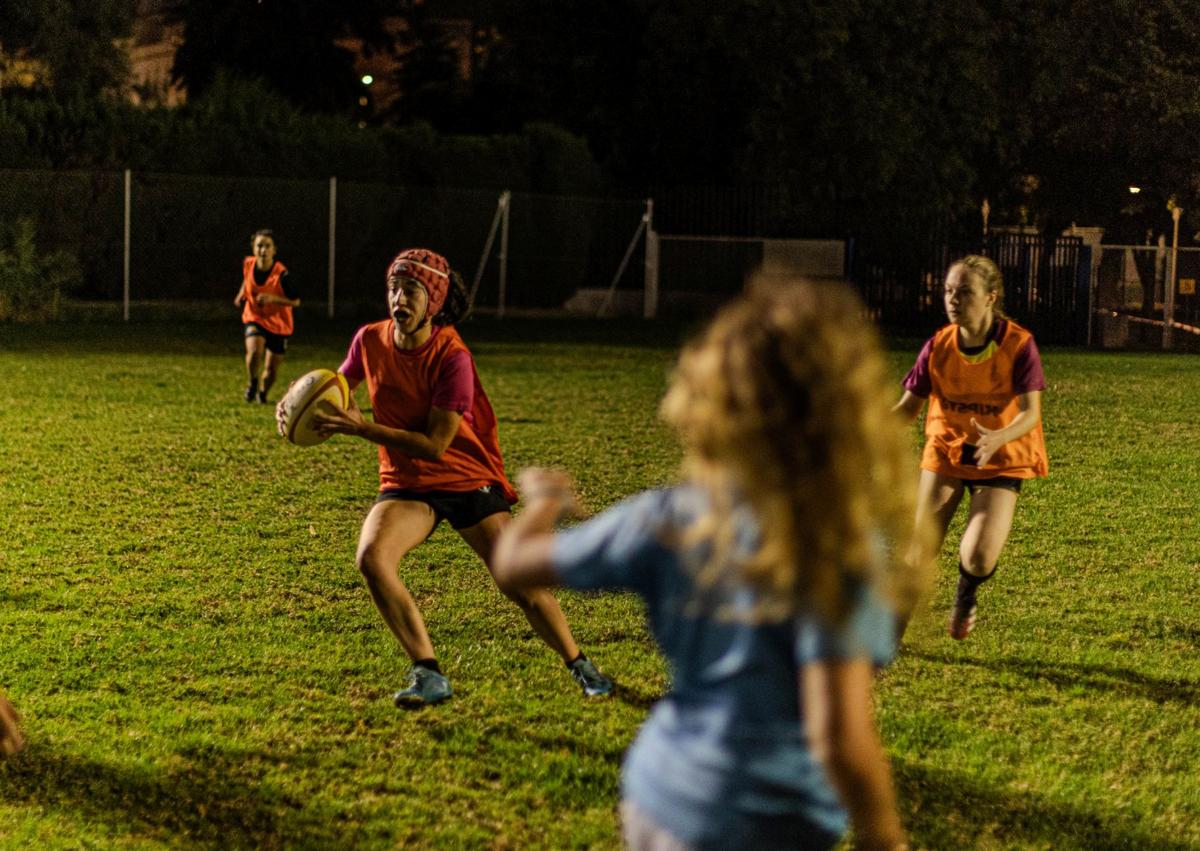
(424, 687)
(262, 397)
(251, 392)
(593, 683)
(962, 616)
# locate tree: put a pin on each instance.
(1103, 94)
(862, 109)
(292, 45)
(78, 41)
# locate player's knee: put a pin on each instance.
(523, 598)
(371, 566)
(979, 562)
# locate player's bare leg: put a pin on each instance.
(988, 523)
(989, 520)
(269, 374)
(255, 347)
(539, 605)
(390, 531)
(541, 610)
(938, 497)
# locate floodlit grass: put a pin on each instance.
(199, 664)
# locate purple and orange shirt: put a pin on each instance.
(983, 385)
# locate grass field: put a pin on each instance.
(199, 664)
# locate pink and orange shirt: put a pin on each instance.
(404, 385)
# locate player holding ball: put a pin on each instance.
(982, 377)
(439, 459)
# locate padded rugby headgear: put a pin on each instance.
(428, 269)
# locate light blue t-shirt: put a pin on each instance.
(722, 760)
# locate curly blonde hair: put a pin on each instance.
(783, 404)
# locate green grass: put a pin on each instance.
(199, 664)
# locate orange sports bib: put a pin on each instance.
(978, 387)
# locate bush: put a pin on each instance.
(32, 286)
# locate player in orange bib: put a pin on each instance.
(982, 376)
(266, 298)
(439, 458)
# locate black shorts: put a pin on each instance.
(1006, 482)
(462, 508)
(276, 343)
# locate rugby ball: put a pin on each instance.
(312, 391)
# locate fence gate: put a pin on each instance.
(1047, 282)
(1131, 303)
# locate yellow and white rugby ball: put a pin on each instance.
(312, 391)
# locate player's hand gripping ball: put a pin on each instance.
(311, 392)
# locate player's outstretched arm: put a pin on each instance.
(840, 724)
(523, 554)
(270, 298)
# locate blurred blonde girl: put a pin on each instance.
(765, 580)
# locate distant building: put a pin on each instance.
(156, 36)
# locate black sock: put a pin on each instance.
(578, 658)
(431, 664)
(971, 581)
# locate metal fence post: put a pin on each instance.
(1169, 295)
(125, 264)
(650, 268)
(332, 240)
(506, 198)
(501, 208)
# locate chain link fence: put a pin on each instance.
(187, 234)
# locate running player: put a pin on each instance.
(982, 377)
(266, 297)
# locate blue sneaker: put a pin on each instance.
(425, 687)
(594, 684)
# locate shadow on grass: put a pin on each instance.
(947, 809)
(209, 807)
(635, 697)
(1110, 678)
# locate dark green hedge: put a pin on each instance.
(242, 128)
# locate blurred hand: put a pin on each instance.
(540, 483)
